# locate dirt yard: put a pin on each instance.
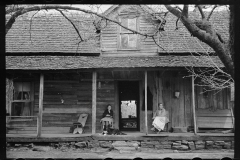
(102, 153)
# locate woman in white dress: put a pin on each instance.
(160, 118)
(26, 106)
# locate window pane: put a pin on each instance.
(132, 24)
(21, 90)
(21, 109)
(124, 22)
(124, 41)
(132, 41)
(128, 109)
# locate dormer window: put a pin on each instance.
(127, 39)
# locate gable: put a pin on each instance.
(171, 40)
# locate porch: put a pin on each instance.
(130, 136)
(59, 97)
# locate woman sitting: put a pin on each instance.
(107, 119)
(160, 118)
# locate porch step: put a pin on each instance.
(180, 129)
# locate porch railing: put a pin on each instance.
(20, 128)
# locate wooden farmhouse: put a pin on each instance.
(52, 78)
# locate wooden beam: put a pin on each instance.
(193, 105)
(39, 121)
(146, 125)
(99, 70)
(116, 109)
(94, 98)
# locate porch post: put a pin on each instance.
(39, 119)
(193, 105)
(146, 124)
(94, 97)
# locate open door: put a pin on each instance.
(129, 105)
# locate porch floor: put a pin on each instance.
(129, 136)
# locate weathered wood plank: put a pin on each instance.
(146, 123)
(67, 110)
(215, 119)
(87, 137)
(39, 122)
(214, 124)
(216, 113)
(116, 107)
(94, 99)
(182, 111)
(52, 106)
(193, 106)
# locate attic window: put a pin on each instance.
(127, 39)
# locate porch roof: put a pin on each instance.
(92, 62)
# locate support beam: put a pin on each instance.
(94, 101)
(146, 124)
(193, 106)
(39, 120)
(116, 104)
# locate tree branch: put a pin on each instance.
(211, 39)
(185, 11)
(173, 10)
(157, 43)
(209, 16)
(201, 11)
(10, 10)
(30, 28)
(179, 8)
(72, 24)
(34, 8)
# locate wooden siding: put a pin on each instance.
(162, 85)
(109, 36)
(180, 113)
(105, 96)
(212, 100)
(77, 99)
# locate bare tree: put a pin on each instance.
(204, 31)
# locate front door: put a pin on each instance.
(129, 105)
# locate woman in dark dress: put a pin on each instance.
(107, 118)
(108, 112)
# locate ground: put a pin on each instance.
(102, 153)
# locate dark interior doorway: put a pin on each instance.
(129, 105)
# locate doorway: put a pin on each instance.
(129, 105)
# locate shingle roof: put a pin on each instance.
(177, 41)
(51, 32)
(87, 62)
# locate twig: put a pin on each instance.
(177, 24)
(71, 23)
(157, 43)
(31, 25)
(201, 11)
(209, 16)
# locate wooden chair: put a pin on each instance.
(107, 122)
(166, 127)
(80, 123)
